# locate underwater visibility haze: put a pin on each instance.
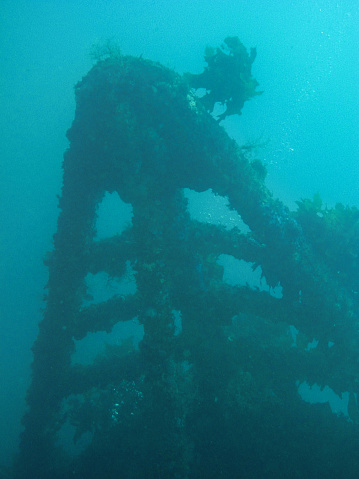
(180, 239)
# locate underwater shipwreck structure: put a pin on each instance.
(211, 390)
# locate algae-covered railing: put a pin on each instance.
(217, 398)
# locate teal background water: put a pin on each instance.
(307, 119)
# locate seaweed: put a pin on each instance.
(227, 78)
(334, 233)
